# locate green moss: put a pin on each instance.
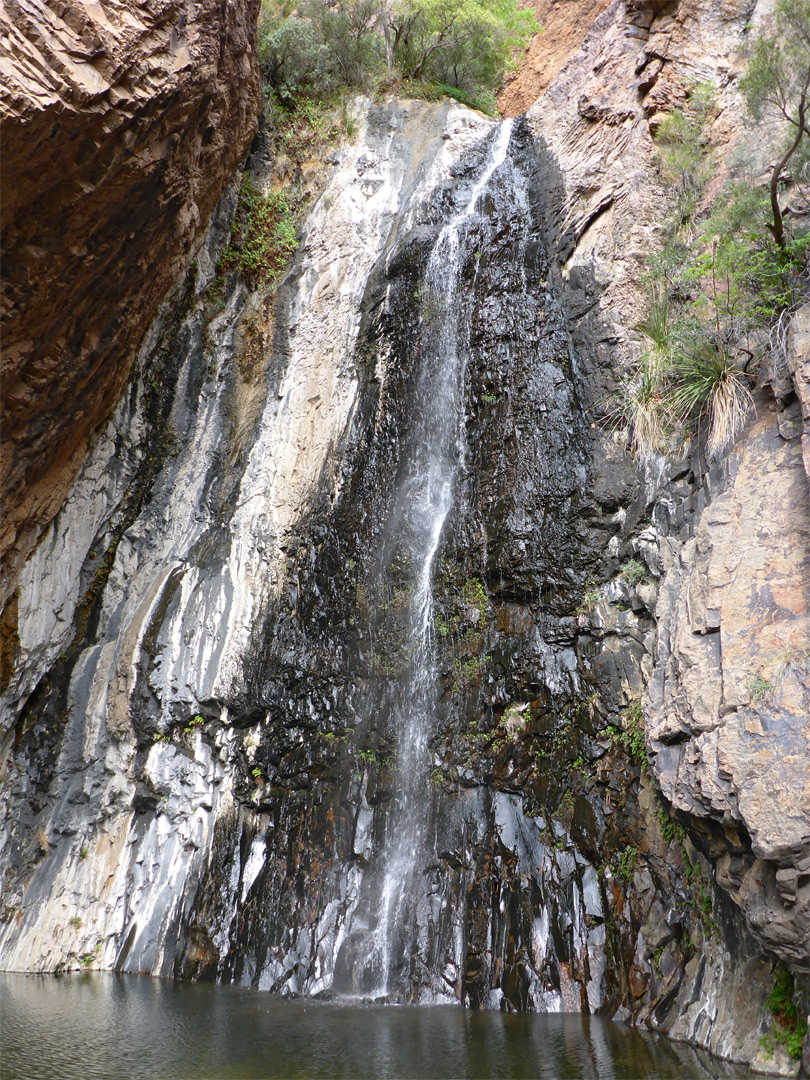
(790, 1026)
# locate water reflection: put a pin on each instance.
(109, 1026)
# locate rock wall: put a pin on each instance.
(198, 779)
(122, 125)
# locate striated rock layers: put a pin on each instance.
(122, 124)
(201, 780)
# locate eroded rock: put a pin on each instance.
(122, 126)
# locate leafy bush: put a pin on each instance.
(466, 44)
(462, 46)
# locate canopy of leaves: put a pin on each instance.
(779, 67)
(313, 47)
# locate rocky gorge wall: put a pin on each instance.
(122, 125)
(198, 784)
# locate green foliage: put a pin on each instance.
(708, 379)
(720, 276)
(436, 777)
(776, 86)
(460, 47)
(683, 147)
(482, 99)
(314, 47)
(759, 687)
(590, 598)
(631, 736)
(790, 1026)
(263, 238)
(626, 866)
(634, 572)
(465, 44)
(474, 593)
(371, 757)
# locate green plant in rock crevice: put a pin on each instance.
(790, 1026)
(634, 572)
(263, 235)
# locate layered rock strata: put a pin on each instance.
(122, 125)
(200, 776)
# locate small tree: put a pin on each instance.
(777, 85)
(463, 43)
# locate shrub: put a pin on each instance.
(634, 572)
(708, 380)
(463, 46)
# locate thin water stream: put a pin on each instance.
(433, 456)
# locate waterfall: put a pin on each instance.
(433, 458)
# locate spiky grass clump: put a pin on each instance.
(656, 326)
(642, 406)
(708, 380)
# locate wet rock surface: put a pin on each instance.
(206, 776)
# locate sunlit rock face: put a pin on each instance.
(122, 125)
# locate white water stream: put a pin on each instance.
(422, 503)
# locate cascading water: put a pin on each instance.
(286, 832)
(432, 461)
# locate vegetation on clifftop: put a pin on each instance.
(313, 55)
(313, 48)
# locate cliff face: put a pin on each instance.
(205, 761)
(122, 125)
(727, 704)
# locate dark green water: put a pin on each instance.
(95, 1026)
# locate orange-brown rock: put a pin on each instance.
(122, 124)
(563, 28)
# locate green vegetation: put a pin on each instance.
(263, 236)
(371, 757)
(626, 866)
(436, 777)
(590, 598)
(728, 269)
(790, 1027)
(759, 687)
(776, 86)
(194, 723)
(634, 572)
(630, 737)
(462, 47)
(672, 830)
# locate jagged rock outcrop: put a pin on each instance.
(122, 125)
(730, 695)
(727, 708)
